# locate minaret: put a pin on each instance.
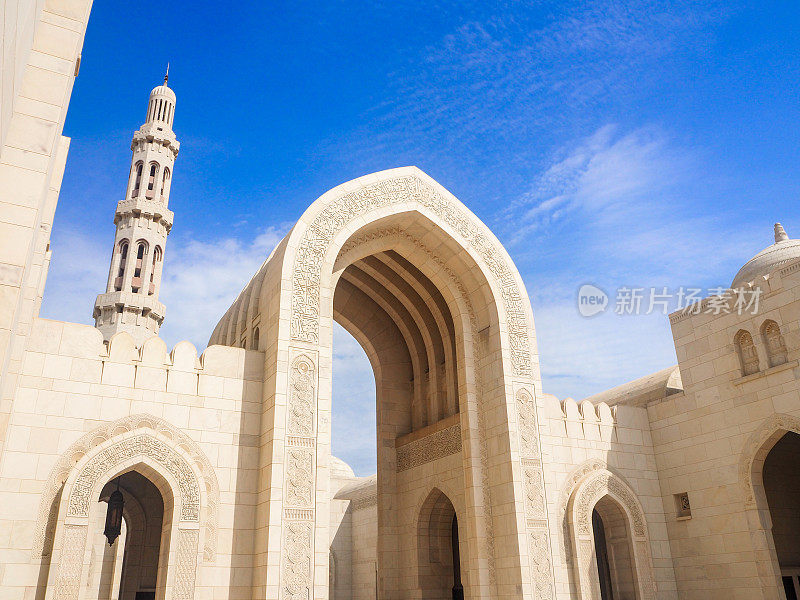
(143, 221)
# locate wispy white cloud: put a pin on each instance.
(201, 278)
(616, 209)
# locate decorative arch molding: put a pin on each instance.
(751, 465)
(342, 208)
(175, 441)
(567, 491)
(754, 452)
(596, 484)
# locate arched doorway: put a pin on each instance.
(127, 567)
(609, 539)
(157, 478)
(782, 488)
(439, 549)
(613, 551)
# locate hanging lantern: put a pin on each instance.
(114, 515)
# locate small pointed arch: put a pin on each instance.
(137, 178)
(606, 496)
(439, 546)
(256, 340)
(746, 349)
(754, 455)
(124, 428)
(774, 343)
(151, 179)
(165, 181)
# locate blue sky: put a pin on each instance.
(637, 144)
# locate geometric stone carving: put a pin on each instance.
(69, 571)
(129, 448)
(185, 564)
(297, 575)
(301, 401)
(431, 447)
(526, 417)
(297, 555)
(299, 478)
(539, 546)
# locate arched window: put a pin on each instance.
(141, 252)
(123, 256)
(165, 183)
(151, 182)
(748, 356)
(254, 343)
(156, 266)
(774, 343)
(137, 182)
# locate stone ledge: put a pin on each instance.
(771, 371)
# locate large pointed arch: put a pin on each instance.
(458, 313)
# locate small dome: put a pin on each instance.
(163, 91)
(782, 252)
(340, 469)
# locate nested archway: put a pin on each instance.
(442, 314)
(756, 451)
(439, 548)
(605, 496)
(184, 500)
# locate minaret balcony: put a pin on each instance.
(146, 207)
(129, 300)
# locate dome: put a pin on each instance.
(782, 252)
(163, 91)
(340, 469)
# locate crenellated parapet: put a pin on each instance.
(217, 372)
(582, 420)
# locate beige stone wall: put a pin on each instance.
(44, 39)
(706, 439)
(71, 384)
(581, 439)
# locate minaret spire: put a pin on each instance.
(130, 302)
(780, 233)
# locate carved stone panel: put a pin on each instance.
(300, 478)
(528, 431)
(539, 546)
(128, 449)
(301, 397)
(298, 556)
(186, 564)
(431, 447)
(69, 571)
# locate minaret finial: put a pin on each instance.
(780, 233)
(166, 75)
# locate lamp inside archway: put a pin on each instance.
(114, 515)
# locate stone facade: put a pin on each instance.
(679, 485)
